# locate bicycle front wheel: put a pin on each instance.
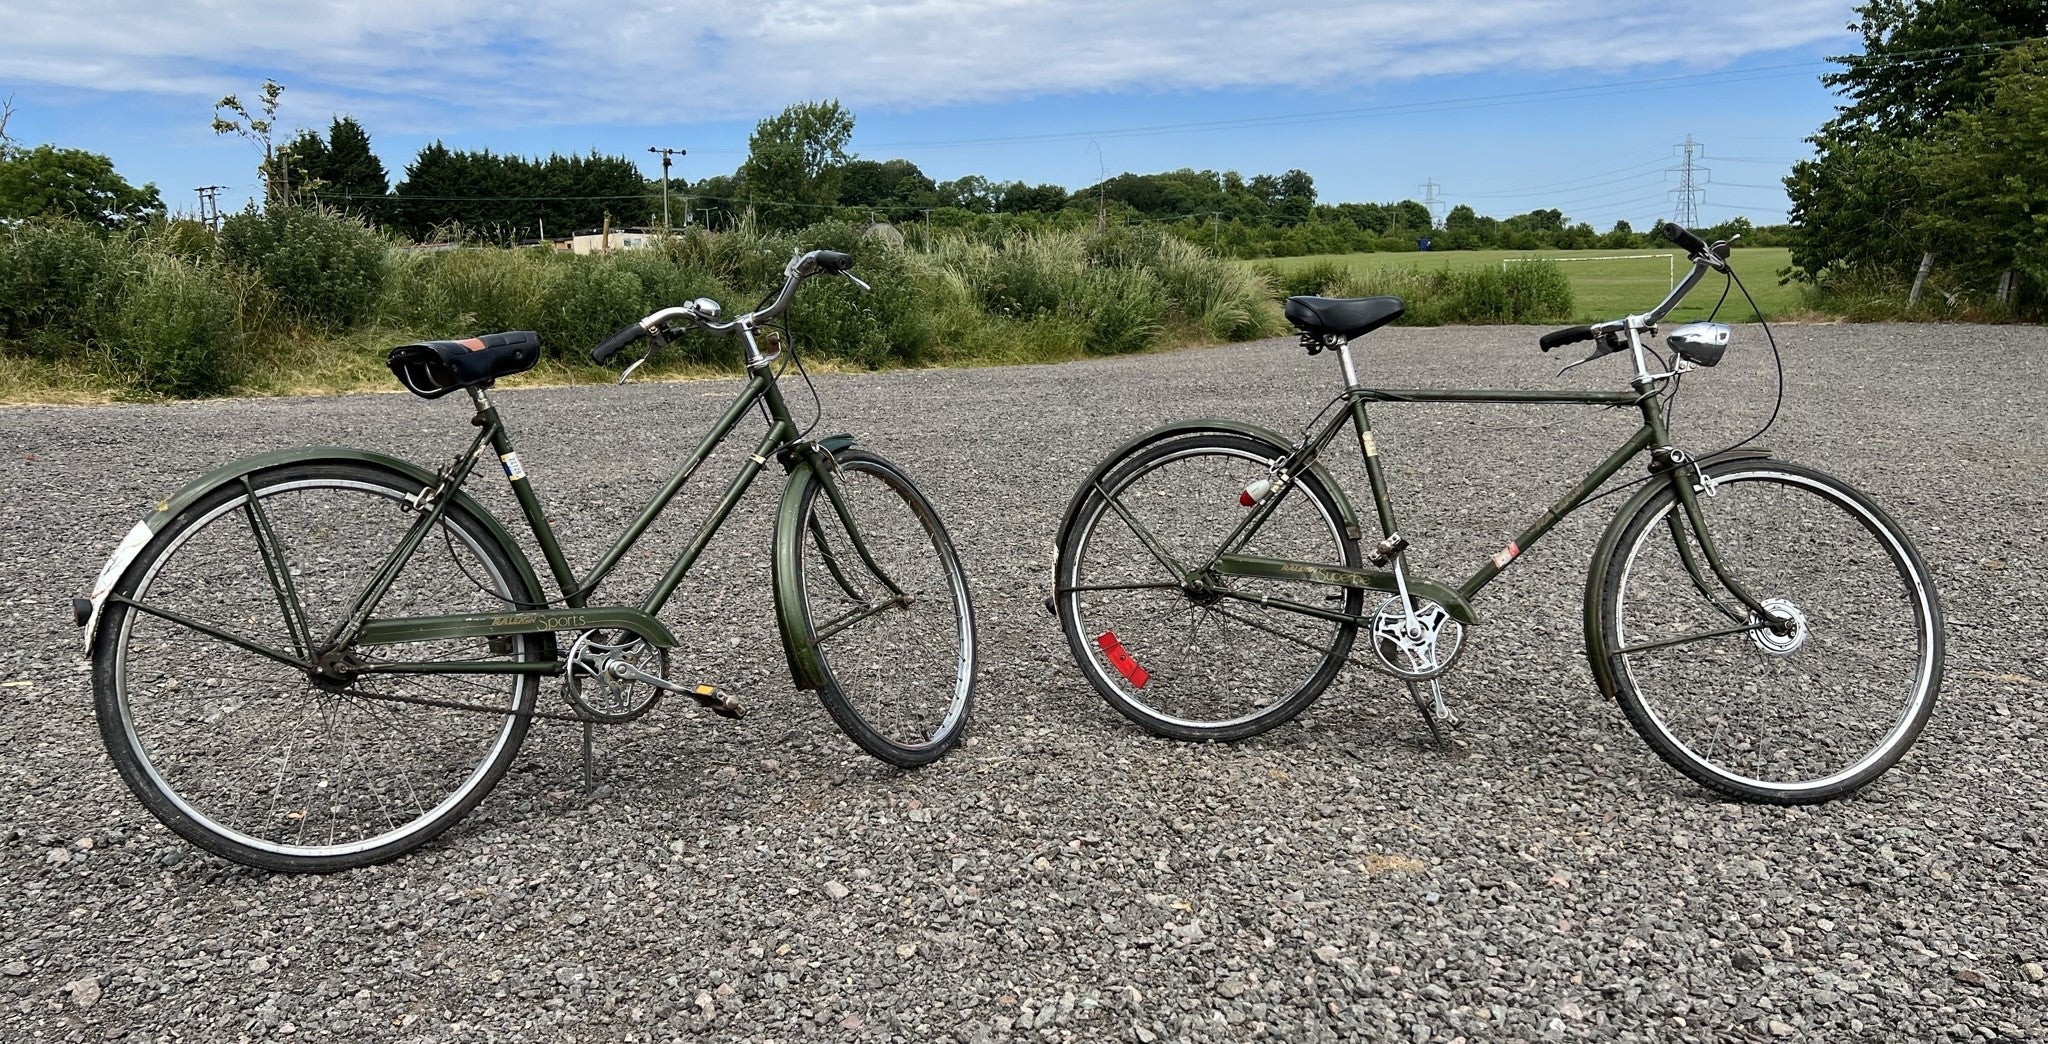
(1796, 715)
(887, 615)
(264, 762)
(1202, 658)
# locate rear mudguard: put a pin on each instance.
(1177, 430)
(86, 610)
(806, 670)
(1603, 553)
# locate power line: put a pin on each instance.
(209, 205)
(1432, 200)
(1686, 198)
(668, 154)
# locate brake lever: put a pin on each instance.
(1607, 344)
(856, 280)
(656, 338)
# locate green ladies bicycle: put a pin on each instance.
(1768, 629)
(322, 658)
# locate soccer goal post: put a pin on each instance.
(1670, 263)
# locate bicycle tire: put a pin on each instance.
(1736, 713)
(266, 724)
(1228, 671)
(900, 681)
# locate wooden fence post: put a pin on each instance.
(1920, 280)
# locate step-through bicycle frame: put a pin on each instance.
(359, 627)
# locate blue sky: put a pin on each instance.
(1506, 105)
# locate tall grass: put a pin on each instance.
(288, 300)
(1538, 292)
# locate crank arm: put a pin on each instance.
(707, 695)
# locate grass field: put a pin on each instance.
(1610, 289)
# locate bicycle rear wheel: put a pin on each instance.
(893, 629)
(1190, 661)
(262, 763)
(1811, 714)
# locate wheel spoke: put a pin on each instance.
(899, 667)
(262, 764)
(1811, 703)
(1176, 657)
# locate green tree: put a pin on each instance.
(6, 113)
(1864, 199)
(894, 186)
(1987, 172)
(47, 180)
(794, 163)
(230, 116)
(1297, 197)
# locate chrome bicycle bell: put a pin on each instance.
(1701, 344)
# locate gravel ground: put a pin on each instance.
(1064, 876)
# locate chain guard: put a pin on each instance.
(1415, 653)
(595, 694)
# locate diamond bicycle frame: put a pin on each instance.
(1668, 465)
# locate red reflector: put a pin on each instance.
(1246, 499)
(1121, 660)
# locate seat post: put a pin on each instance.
(1350, 370)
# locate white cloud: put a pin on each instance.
(448, 64)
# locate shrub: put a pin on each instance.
(1124, 308)
(457, 293)
(1538, 292)
(1222, 299)
(1314, 279)
(591, 299)
(172, 328)
(326, 268)
(56, 278)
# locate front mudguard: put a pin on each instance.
(1177, 430)
(1603, 554)
(806, 669)
(86, 609)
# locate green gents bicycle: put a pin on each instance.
(1768, 629)
(321, 658)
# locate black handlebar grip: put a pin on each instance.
(624, 336)
(1685, 237)
(833, 261)
(1568, 335)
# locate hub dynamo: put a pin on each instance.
(1780, 644)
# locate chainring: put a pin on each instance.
(1416, 649)
(592, 690)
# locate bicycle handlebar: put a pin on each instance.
(702, 310)
(617, 342)
(1703, 256)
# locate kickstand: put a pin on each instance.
(1435, 713)
(589, 760)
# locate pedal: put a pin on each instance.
(1438, 707)
(1434, 712)
(720, 703)
(710, 696)
(1385, 550)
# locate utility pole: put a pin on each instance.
(1685, 199)
(1432, 200)
(209, 205)
(667, 155)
